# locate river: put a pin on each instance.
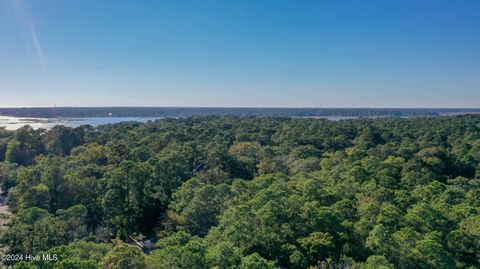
(13, 123)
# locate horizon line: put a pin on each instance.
(244, 107)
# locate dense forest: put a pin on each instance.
(245, 192)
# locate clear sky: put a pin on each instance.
(321, 53)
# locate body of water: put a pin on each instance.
(13, 123)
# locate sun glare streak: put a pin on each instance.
(37, 46)
(24, 20)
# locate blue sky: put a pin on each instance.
(323, 53)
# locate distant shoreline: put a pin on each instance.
(179, 112)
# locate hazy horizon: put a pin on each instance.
(317, 54)
(247, 107)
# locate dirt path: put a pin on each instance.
(3, 209)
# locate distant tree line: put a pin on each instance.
(180, 112)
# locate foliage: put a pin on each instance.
(231, 192)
